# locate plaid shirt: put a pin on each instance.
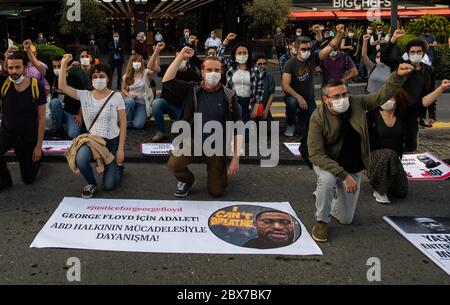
(256, 76)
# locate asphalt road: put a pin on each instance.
(25, 209)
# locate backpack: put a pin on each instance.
(34, 91)
(34, 88)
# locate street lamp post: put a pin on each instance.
(394, 14)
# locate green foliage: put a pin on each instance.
(442, 61)
(403, 41)
(439, 26)
(93, 20)
(46, 53)
(266, 15)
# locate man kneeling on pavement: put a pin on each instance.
(338, 146)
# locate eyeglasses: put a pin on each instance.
(305, 49)
(338, 96)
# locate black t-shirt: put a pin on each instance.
(20, 111)
(188, 76)
(351, 42)
(73, 80)
(350, 155)
(388, 137)
(416, 86)
(212, 107)
(302, 75)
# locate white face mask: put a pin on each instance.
(340, 105)
(389, 105)
(17, 79)
(305, 54)
(241, 59)
(415, 58)
(137, 65)
(333, 53)
(85, 61)
(56, 71)
(379, 32)
(99, 83)
(378, 60)
(351, 35)
(213, 78)
(183, 65)
(116, 39)
(299, 33)
(369, 31)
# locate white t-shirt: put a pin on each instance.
(213, 42)
(138, 87)
(106, 125)
(241, 82)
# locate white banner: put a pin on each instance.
(177, 227)
(425, 166)
(54, 146)
(431, 235)
(156, 149)
(293, 148)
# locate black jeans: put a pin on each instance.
(115, 64)
(23, 148)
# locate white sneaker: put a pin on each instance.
(290, 130)
(381, 198)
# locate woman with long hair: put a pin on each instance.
(387, 130)
(245, 78)
(135, 85)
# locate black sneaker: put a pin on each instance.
(59, 134)
(89, 191)
(183, 189)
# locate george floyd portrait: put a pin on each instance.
(255, 227)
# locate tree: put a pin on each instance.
(93, 20)
(439, 26)
(265, 15)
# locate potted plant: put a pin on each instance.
(264, 16)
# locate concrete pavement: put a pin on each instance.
(25, 209)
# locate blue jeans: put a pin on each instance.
(73, 129)
(303, 115)
(161, 107)
(136, 113)
(245, 104)
(112, 174)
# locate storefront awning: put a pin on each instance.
(364, 14)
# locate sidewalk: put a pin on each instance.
(436, 141)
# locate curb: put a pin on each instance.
(140, 159)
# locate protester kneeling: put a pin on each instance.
(136, 91)
(387, 132)
(338, 145)
(23, 119)
(205, 103)
(102, 108)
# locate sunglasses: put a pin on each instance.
(262, 64)
(305, 49)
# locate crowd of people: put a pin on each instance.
(341, 138)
